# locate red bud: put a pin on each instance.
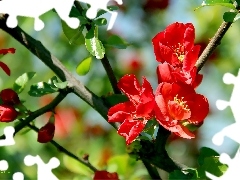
(7, 113)
(100, 175)
(46, 133)
(9, 97)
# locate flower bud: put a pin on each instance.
(100, 175)
(9, 97)
(7, 113)
(46, 133)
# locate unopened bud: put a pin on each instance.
(9, 97)
(7, 113)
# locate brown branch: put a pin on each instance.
(56, 66)
(212, 45)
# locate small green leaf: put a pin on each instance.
(206, 152)
(84, 66)
(113, 8)
(22, 80)
(95, 47)
(225, 3)
(229, 16)
(101, 12)
(60, 85)
(40, 89)
(214, 166)
(100, 21)
(117, 42)
(74, 36)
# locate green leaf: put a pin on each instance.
(94, 45)
(177, 174)
(214, 166)
(84, 66)
(74, 36)
(229, 16)
(113, 8)
(76, 167)
(114, 99)
(117, 42)
(206, 152)
(100, 21)
(22, 80)
(225, 3)
(60, 85)
(101, 12)
(40, 89)
(119, 161)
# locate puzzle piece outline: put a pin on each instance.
(36, 8)
(232, 131)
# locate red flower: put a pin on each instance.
(9, 97)
(7, 113)
(134, 113)
(46, 133)
(167, 73)
(104, 175)
(178, 105)
(3, 65)
(175, 45)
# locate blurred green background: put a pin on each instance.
(79, 128)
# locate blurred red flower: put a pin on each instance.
(3, 65)
(104, 175)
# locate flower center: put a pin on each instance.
(181, 103)
(179, 50)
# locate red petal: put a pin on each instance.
(189, 36)
(199, 107)
(130, 86)
(191, 58)
(184, 132)
(120, 112)
(164, 73)
(155, 41)
(174, 33)
(9, 50)
(161, 110)
(5, 68)
(131, 129)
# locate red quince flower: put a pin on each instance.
(46, 133)
(104, 175)
(178, 105)
(170, 74)
(9, 97)
(134, 113)
(2, 64)
(7, 113)
(175, 45)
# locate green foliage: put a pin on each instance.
(22, 80)
(117, 42)
(74, 36)
(43, 88)
(84, 66)
(100, 21)
(225, 3)
(93, 44)
(229, 16)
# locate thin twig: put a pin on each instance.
(65, 151)
(112, 78)
(38, 113)
(57, 67)
(212, 45)
(152, 171)
(105, 62)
